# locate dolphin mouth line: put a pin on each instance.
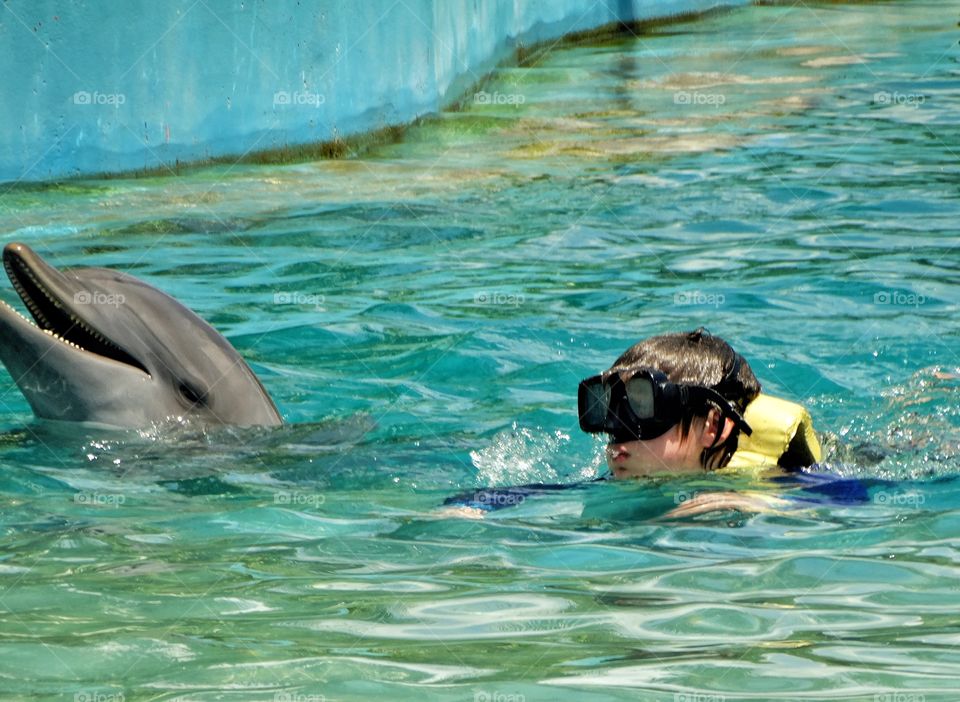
(53, 316)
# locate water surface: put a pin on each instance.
(784, 175)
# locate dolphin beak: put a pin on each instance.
(53, 303)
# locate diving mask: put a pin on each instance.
(640, 404)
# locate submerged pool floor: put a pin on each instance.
(785, 176)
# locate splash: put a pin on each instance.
(915, 434)
(523, 455)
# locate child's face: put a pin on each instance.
(668, 453)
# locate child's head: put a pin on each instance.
(701, 434)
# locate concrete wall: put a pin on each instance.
(93, 86)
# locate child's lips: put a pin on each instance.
(619, 454)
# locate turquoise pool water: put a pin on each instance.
(784, 175)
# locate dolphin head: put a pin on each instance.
(108, 348)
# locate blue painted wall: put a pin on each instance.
(95, 86)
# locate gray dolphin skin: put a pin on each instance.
(108, 348)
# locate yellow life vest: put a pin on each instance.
(778, 426)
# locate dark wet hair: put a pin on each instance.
(699, 358)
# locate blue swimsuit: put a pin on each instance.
(814, 488)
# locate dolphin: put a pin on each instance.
(105, 347)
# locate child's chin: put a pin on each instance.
(621, 470)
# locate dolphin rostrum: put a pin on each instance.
(108, 348)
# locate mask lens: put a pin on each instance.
(640, 397)
(594, 402)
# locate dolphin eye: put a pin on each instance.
(192, 395)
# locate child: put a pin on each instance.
(682, 403)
